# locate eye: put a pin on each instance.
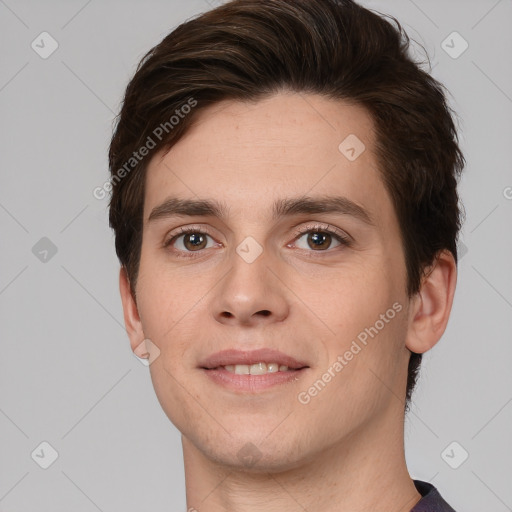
(320, 238)
(189, 239)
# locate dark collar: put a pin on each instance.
(431, 500)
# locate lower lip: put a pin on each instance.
(252, 383)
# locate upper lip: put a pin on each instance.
(267, 355)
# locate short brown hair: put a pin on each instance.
(248, 49)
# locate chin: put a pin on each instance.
(254, 454)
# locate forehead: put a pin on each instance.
(250, 155)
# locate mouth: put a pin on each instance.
(252, 371)
(252, 362)
(259, 368)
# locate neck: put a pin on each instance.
(365, 471)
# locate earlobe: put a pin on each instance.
(432, 305)
(131, 314)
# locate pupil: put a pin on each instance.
(195, 239)
(318, 237)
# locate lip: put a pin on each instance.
(252, 383)
(267, 355)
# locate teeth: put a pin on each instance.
(272, 367)
(242, 369)
(258, 369)
(255, 369)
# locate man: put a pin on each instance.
(286, 226)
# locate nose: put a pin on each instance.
(251, 294)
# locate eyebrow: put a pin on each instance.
(286, 207)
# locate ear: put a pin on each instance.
(432, 305)
(131, 314)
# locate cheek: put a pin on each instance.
(165, 299)
(353, 298)
(177, 400)
(366, 359)
(169, 308)
(365, 310)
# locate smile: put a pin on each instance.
(255, 369)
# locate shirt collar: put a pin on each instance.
(431, 500)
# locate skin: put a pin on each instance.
(344, 450)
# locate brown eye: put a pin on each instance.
(194, 241)
(319, 240)
(189, 240)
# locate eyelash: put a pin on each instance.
(316, 228)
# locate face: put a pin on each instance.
(303, 263)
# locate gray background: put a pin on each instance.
(67, 374)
